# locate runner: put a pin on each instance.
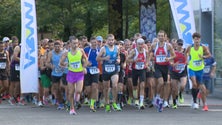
(160, 51)
(77, 61)
(140, 61)
(57, 72)
(4, 69)
(92, 76)
(109, 55)
(197, 53)
(178, 73)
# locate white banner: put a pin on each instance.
(184, 19)
(29, 49)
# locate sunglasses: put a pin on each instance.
(180, 44)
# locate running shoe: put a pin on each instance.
(115, 107)
(137, 103)
(78, 105)
(205, 108)
(92, 108)
(181, 99)
(107, 108)
(72, 112)
(60, 107)
(160, 106)
(174, 106)
(21, 101)
(86, 101)
(5, 97)
(165, 104)
(101, 105)
(195, 106)
(11, 101)
(141, 106)
(40, 104)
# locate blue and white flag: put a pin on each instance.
(29, 49)
(184, 20)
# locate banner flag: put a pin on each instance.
(184, 19)
(29, 49)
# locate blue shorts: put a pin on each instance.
(197, 74)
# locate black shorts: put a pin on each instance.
(161, 71)
(138, 74)
(150, 74)
(100, 78)
(107, 77)
(56, 79)
(64, 81)
(3, 75)
(89, 79)
(14, 75)
(177, 76)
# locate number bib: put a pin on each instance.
(206, 69)
(139, 65)
(180, 67)
(110, 68)
(58, 70)
(160, 58)
(197, 63)
(17, 67)
(2, 65)
(75, 65)
(93, 70)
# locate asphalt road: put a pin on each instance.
(184, 115)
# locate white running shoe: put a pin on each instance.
(195, 106)
(165, 104)
(40, 104)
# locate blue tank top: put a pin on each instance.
(92, 54)
(110, 66)
(57, 70)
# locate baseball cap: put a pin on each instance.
(99, 38)
(5, 39)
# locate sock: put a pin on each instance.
(99, 95)
(147, 92)
(92, 102)
(141, 99)
(119, 96)
(174, 101)
(135, 94)
(194, 94)
(180, 94)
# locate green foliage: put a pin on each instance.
(163, 16)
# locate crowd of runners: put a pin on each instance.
(109, 74)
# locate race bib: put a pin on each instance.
(180, 67)
(139, 65)
(75, 65)
(2, 65)
(17, 67)
(197, 63)
(110, 68)
(93, 70)
(58, 70)
(206, 69)
(160, 59)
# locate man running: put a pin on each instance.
(109, 55)
(197, 53)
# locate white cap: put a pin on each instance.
(140, 40)
(5, 39)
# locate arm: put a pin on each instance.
(62, 60)
(101, 53)
(15, 54)
(206, 52)
(84, 59)
(172, 53)
(48, 60)
(130, 57)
